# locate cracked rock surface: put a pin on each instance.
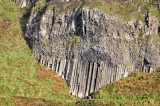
(90, 49)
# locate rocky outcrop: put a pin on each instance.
(90, 49)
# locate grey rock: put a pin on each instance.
(91, 49)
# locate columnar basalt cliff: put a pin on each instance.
(90, 49)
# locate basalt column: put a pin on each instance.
(90, 49)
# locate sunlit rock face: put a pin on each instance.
(90, 49)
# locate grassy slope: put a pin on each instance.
(137, 88)
(20, 75)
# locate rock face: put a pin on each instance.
(90, 49)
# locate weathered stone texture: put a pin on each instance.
(24, 3)
(90, 49)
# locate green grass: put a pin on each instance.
(137, 87)
(123, 8)
(20, 75)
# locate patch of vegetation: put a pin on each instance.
(97, 102)
(45, 42)
(20, 75)
(155, 38)
(84, 102)
(137, 87)
(142, 33)
(156, 13)
(39, 6)
(124, 8)
(73, 42)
